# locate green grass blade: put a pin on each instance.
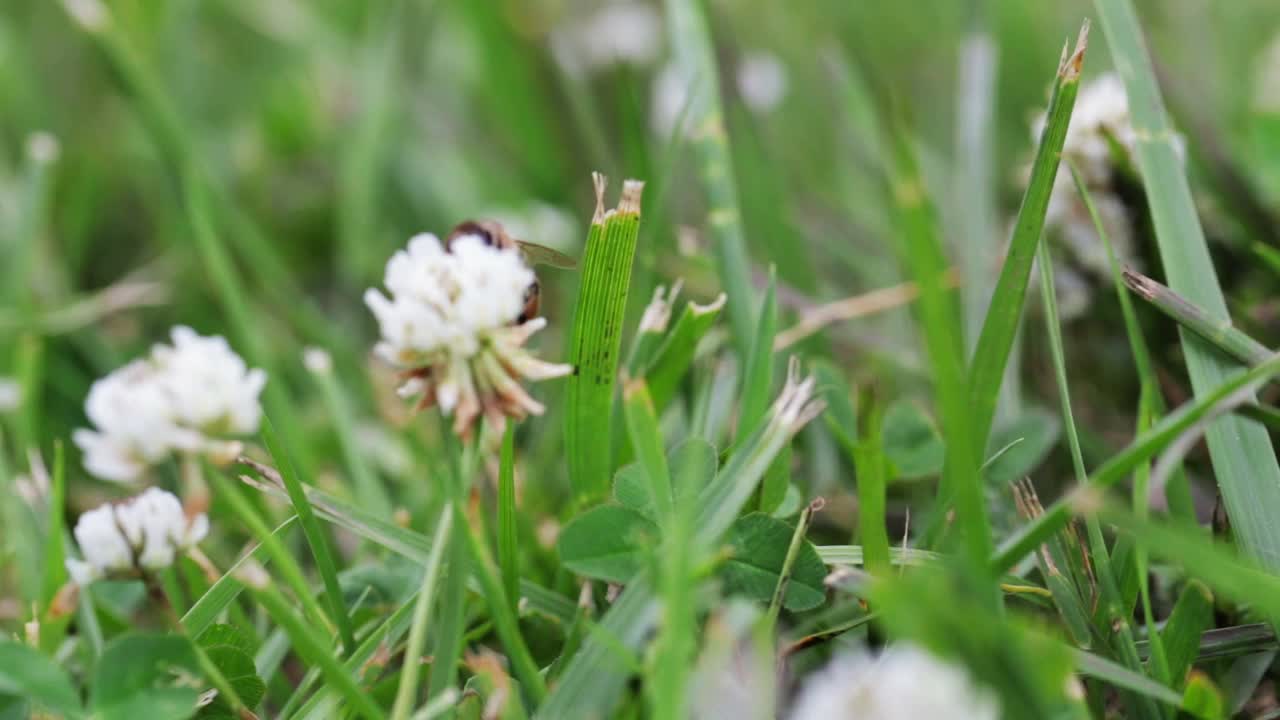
(596, 338)
(1121, 677)
(1179, 488)
(314, 533)
(450, 621)
(694, 56)
(757, 378)
(939, 322)
(975, 177)
(672, 359)
(305, 642)
(412, 669)
(1191, 616)
(597, 674)
(646, 438)
(1143, 447)
(508, 540)
(285, 563)
(1217, 332)
(1235, 577)
(504, 619)
(872, 466)
(403, 541)
(368, 489)
(55, 569)
(1005, 310)
(365, 155)
(1243, 458)
(205, 610)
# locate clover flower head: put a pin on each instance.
(449, 324)
(762, 81)
(10, 394)
(616, 33)
(209, 385)
(145, 532)
(903, 682)
(185, 397)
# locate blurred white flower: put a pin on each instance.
(317, 360)
(448, 323)
(145, 532)
(210, 387)
(1266, 92)
(10, 394)
(184, 397)
(669, 100)
(903, 682)
(618, 32)
(42, 147)
(762, 81)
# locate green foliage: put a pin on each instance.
(231, 652)
(597, 337)
(758, 547)
(606, 542)
(28, 676)
(912, 441)
(137, 675)
(649, 527)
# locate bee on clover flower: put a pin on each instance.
(456, 321)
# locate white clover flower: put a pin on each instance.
(184, 397)
(762, 81)
(210, 387)
(448, 322)
(616, 33)
(669, 99)
(146, 532)
(903, 682)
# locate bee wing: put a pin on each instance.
(536, 254)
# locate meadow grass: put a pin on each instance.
(821, 418)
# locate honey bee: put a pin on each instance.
(494, 235)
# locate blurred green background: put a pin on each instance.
(330, 131)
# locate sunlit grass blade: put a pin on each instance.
(596, 338)
(690, 36)
(1004, 312)
(1143, 447)
(1244, 460)
(315, 534)
(938, 318)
